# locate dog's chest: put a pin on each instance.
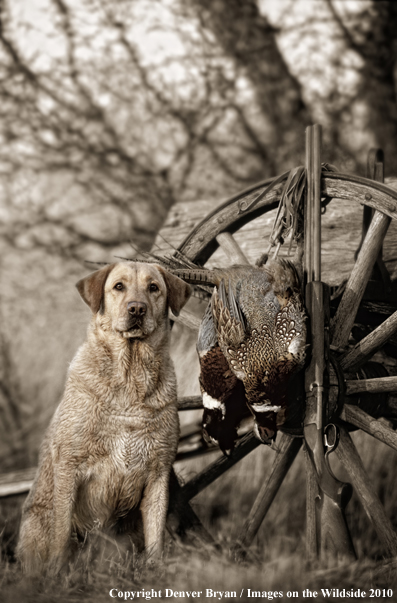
(139, 438)
(129, 450)
(133, 451)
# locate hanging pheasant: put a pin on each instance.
(224, 398)
(256, 323)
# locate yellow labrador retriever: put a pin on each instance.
(111, 443)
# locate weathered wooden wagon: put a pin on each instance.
(342, 390)
(347, 329)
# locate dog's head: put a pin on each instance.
(133, 297)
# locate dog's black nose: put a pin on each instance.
(137, 308)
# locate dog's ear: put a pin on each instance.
(91, 288)
(178, 291)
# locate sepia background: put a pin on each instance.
(123, 118)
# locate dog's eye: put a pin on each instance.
(153, 287)
(119, 286)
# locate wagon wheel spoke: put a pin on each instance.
(374, 427)
(288, 448)
(247, 443)
(232, 249)
(190, 403)
(187, 318)
(355, 287)
(377, 385)
(361, 352)
(349, 457)
(181, 518)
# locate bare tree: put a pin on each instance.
(245, 35)
(101, 124)
(372, 37)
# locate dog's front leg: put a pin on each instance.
(65, 485)
(154, 508)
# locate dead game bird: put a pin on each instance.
(257, 322)
(223, 393)
(261, 331)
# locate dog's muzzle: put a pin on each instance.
(134, 320)
(137, 309)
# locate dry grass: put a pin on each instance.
(103, 568)
(276, 561)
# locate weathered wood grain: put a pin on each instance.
(246, 445)
(341, 234)
(350, 459)
(355, 287)
(187, 318)
(228, 217)
(375, 427)
(362, 190)
(288, 448)
(231, 248)
(237, 211)
(373, 386)
(365, 348)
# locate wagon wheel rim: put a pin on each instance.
(228, 218)
(217, 229)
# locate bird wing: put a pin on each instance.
(230, 326)
(223, 394)
(290, 336)
(207, 337)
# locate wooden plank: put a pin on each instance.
(355, 287)
(374, 386)
(228, 216)
(288, 449)
(232, 249)
(375, 427)
(367, 347)
(20, 487)
(349, 457)
(341, 230)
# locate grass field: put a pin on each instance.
(275, 562)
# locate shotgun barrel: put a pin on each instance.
(332, 533)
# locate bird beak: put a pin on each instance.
(264, 434)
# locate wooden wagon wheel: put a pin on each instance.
(217, 229)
